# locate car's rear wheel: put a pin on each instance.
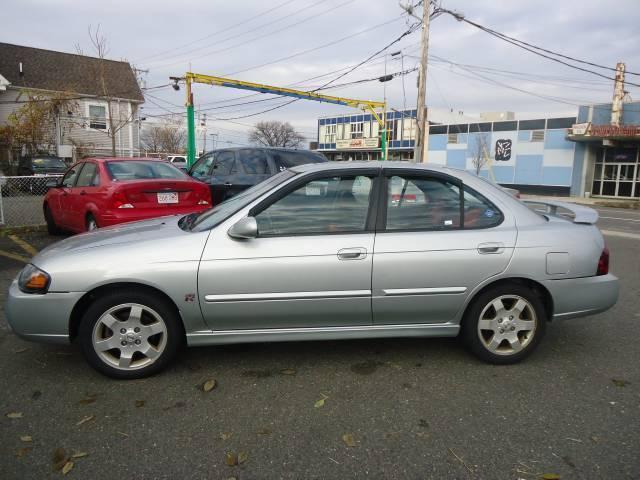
(130, 335)
(91, 223)
(504, 324)
(52, 228)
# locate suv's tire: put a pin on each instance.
(130, 334)
(52, 228)
(504, 324)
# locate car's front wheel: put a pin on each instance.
(504, 324)
(130, 335)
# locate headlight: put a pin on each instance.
(33, 280)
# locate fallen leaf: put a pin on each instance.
(87, 401)
(320, 403)
(21, 350)
(264, 431)
(26, 438)
(14, 415)
(23, 451)
(232, 459)
(225, 435)
(125, 435)
(85, 420)
(619, 382)
(67, 467)
(242, 457)
(288, 371)
(208, 385)
(140, 403)
(59, 459)
(79, 455)
(551, 476)
(348, 440)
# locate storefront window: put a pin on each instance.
(617, 173)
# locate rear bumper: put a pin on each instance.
(40, 318)
(579, 297)
(123, 215)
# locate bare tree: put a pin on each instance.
(114, 124)
(168, 136)
(480, 152)
(276, 134)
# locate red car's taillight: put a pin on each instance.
(119, 200)
(603, 263)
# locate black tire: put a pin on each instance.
(87, 224)
(52, 228)
(477, 340)
(167, 312)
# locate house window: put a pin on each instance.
(452, 138)
(330, 134)
(392, 130)
(537, 136)
(98, 117)
(356, 130)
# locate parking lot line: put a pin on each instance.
(14, 256)
(23, 245)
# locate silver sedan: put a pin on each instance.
(323, 251)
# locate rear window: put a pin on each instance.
(284, 159)
(48, 162)
(139, 170)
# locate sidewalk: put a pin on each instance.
(599, 202)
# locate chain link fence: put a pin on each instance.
(21, 199)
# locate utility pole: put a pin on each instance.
(422, 127)
(203, 124)
(618, 95)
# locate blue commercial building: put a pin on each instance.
(581, 155)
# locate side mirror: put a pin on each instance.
(52, 183)
(245, 228)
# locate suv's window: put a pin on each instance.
(69, 178)
(87, 176)
(202, 166)
(284, 159)
(434, 204)
(254, 161)
(47, 162)
(224, 163)
(327, 205)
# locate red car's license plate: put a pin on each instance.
(168, 197)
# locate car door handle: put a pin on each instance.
(357, 253)
(227, 184)
(491, 247)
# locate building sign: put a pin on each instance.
(503, 150)
(371, 142)
(606, 130)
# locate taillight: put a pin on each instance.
(119, 200)
(603, 263)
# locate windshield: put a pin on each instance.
(48, 162)
(143, 170)
(199, 222)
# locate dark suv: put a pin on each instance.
(38, 166)
(232, 170)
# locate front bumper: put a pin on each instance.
(40, 318)
(579, 297)
(117, 216)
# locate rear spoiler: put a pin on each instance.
(580, 213)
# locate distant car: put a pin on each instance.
(329, 251)
(179, 161)
(107, 191)
(39, 166)
(232, 170)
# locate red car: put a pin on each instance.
(98, 192)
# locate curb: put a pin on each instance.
(4, 231)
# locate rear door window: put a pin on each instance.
(88, 176)
(253, 161)
(202, 166)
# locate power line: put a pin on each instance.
(532, 49)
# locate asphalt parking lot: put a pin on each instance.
(400, 408)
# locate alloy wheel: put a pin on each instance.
(129, 336)
(507, 325)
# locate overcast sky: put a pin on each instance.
(284, 42)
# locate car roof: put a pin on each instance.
(376, 164)
(120, 159)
